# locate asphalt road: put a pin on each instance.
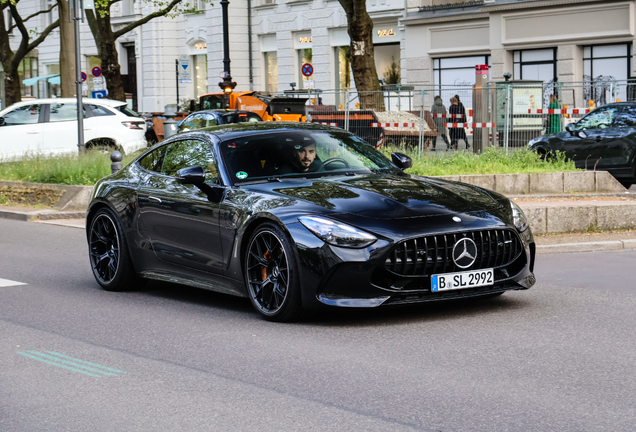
(559, 357)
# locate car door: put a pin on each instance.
(21, 133)
(61, 128)
(591, 136)
(619, 152)
(180, 220)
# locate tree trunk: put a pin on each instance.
(12, 88)
(360, 29)
(107, 52)
(67, 52)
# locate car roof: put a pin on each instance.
(223, 111)
(105, 102)
(232, 131)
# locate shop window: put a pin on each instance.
(607, 62)
(200, 63)
(535, 65)
(457, 71)
(28, 68)
(387, 61)
(271, 71)
(53, 90)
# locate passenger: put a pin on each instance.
(303, 159)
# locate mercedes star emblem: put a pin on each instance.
(464, 253)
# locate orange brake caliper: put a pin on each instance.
(267, 256)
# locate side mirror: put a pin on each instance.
(401, 160)
(570, 128)
(2, 122)
(194, 175)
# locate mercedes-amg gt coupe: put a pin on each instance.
(297, 216)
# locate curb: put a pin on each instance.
(41, 215)
(587, 247)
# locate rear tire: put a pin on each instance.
(108, 253)
(271, 274)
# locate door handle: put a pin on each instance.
(598, 139)
(154, 198)
(33, 132)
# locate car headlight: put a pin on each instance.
(519, 218)
(337, 233)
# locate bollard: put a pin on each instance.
(116, 158)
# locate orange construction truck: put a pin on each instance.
(269, 108)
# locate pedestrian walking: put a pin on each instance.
(439, 108)
(554, 120)
(465, 120)
(457, 133)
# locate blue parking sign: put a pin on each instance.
(99, 94)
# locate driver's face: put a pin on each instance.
(306, 156)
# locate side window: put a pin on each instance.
(100, 111)
(627, 118)
(599, 119)
(183, 154)
(153, 160)
(61, 112)
(194, 122)
(208, 120)
(27, 114)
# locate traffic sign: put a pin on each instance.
(96, 71)
(185, 71)
(99, 94)
(307, 69)
(83, 76)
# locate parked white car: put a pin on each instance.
(49, 127)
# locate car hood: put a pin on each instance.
(385, 196)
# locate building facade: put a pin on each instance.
(540, 40)
(431, 42)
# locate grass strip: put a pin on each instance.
(70, 169)
(492, 161)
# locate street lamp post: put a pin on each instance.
(76, 14)
(227, 84)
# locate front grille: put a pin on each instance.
(433, 254)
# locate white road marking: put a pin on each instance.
(8, 283)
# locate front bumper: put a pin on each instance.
(333, 276)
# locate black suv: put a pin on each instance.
(202, 119)
(605, 139)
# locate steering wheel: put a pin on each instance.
(336, 159)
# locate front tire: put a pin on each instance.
(271, 274)
(108, 252)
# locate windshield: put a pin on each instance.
(210, 102)
(300, 153)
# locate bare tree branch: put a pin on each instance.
(34, 15)
(147, 18)
(43, 35)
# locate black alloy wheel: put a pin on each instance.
(270, 274)
(108, 251)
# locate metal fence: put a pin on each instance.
(440, 118)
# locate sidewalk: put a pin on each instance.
(546, 244)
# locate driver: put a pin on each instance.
(303, 158)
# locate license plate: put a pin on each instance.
(462, 280)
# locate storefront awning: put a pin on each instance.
(51, 78)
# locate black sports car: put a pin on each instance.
(605, 139)
(297, 216)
